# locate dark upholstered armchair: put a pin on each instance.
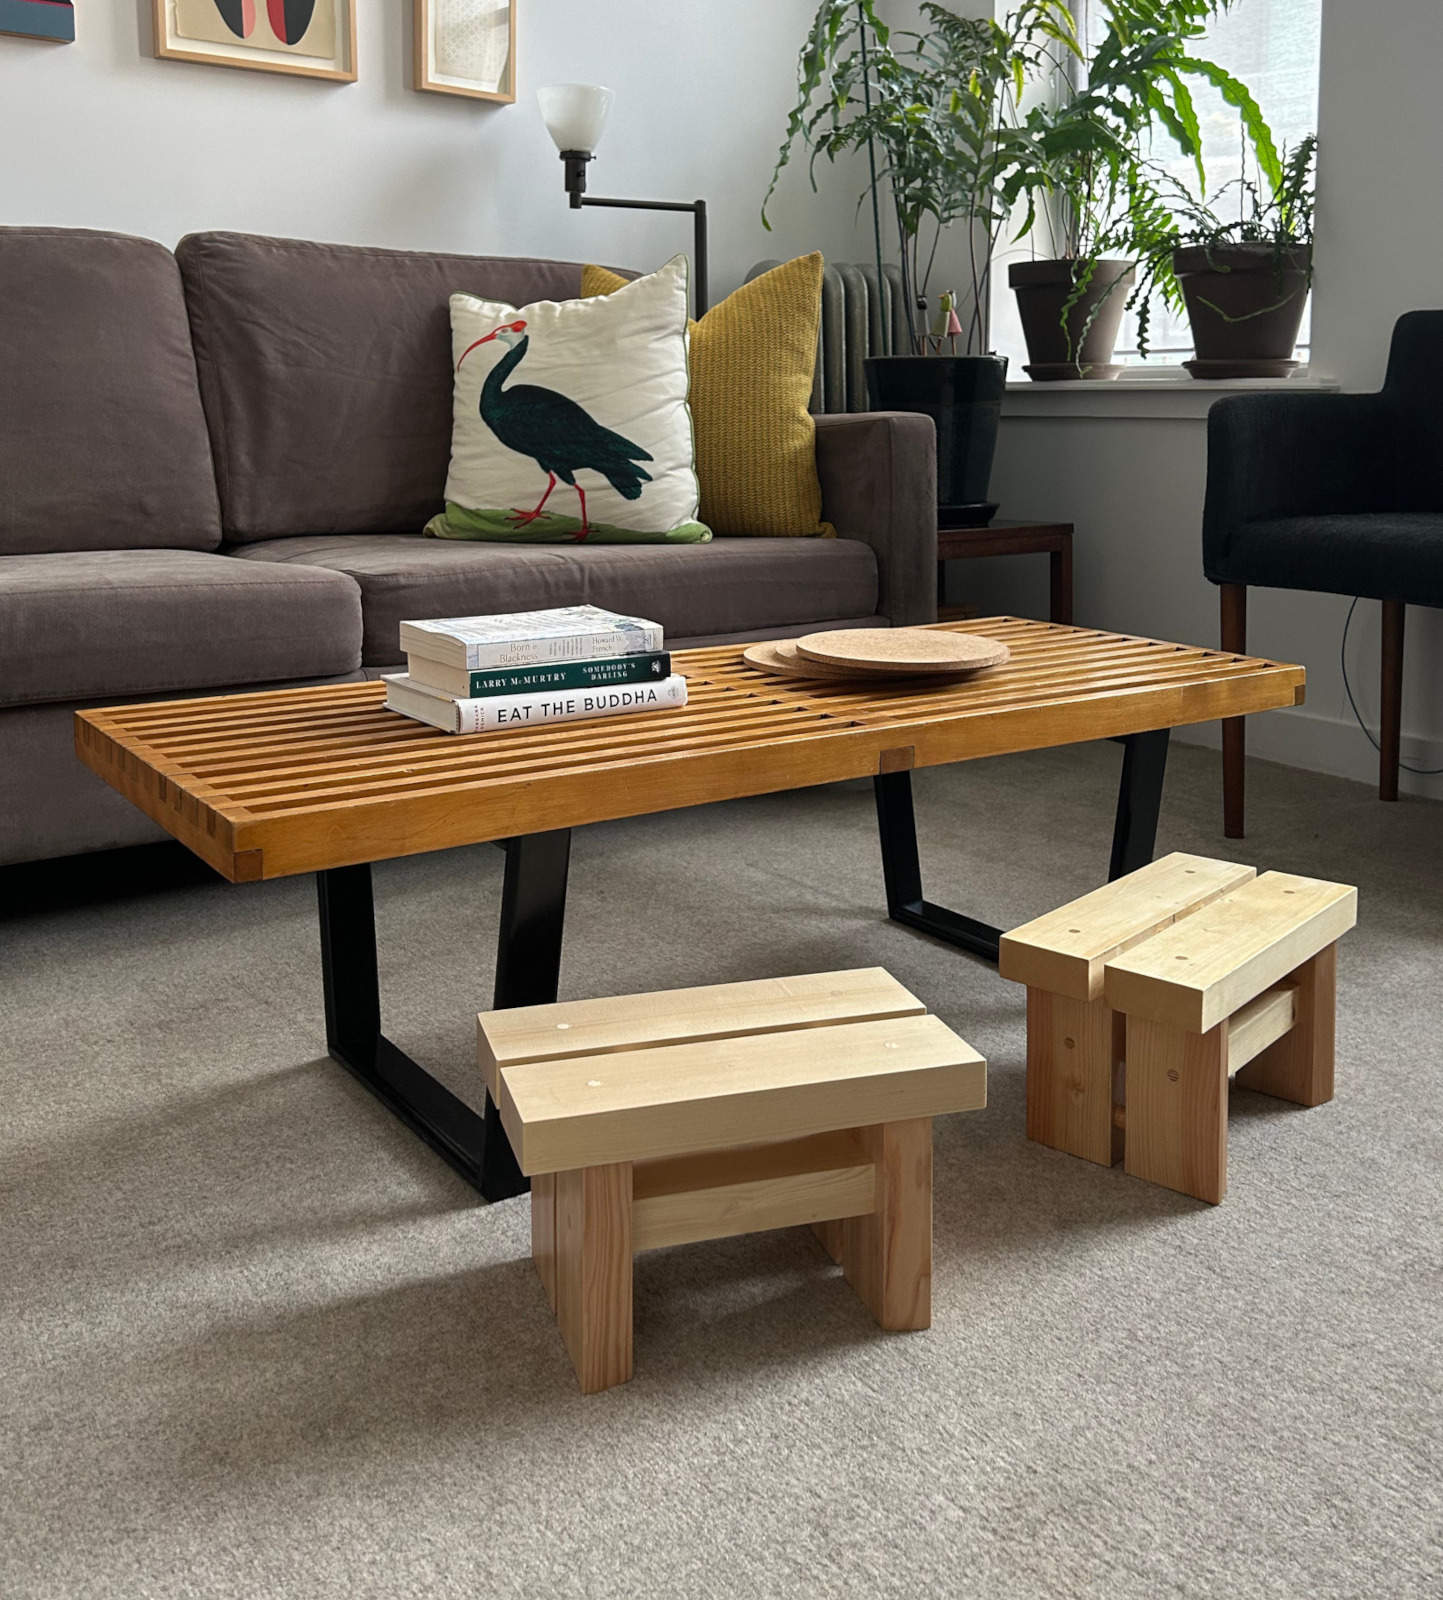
(1338, 494)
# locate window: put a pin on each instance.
(1272, 46)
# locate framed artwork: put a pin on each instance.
(307, 38)
(39, 19)
(467, 47)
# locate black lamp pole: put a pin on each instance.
(576, 187)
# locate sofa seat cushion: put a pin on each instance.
(120, 622)
(1395, 555)
(727, 586)
(103, 442)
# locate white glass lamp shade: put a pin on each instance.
(575, 113)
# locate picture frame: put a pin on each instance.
(301, 38)
(466, 48)
(50, 20)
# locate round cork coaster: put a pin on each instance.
(902, 650)
(780, 658)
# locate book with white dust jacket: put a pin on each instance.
(530, 638)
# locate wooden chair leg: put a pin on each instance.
(1177, 1108)
(593, 1272)
(1071, 1048)
(1234, 604)
(1391, 715)
(1299, 1067)
(887, 1256)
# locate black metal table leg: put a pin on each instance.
(902, 874)
(528, 963)
(353, 1026)
(528, 969)
(1139, 800)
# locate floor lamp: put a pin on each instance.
(575, 114)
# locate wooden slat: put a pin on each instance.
(1205, 967)
(1260, 1023)
(682, 1016)
(286, 781)
(641, 1104)
(1065, 951)
(716, 1194)
(1299, 1066)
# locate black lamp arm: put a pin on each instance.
(576, 187)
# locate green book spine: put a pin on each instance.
(651, 668)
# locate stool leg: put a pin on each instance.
(1299, 1067)
(1177, 1108)
(593, 1272)
(543, 1231)
(1071, 1048)
(830, 1236)
(887, 1256)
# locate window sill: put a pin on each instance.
(1159, 392)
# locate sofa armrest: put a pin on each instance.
(878, 471)
(1272, 456)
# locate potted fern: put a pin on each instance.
(934, 110)
(1080, 160)
(1245, 282)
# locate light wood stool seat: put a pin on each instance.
(659, 1119)
(1144, 997)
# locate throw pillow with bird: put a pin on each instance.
(570, 419)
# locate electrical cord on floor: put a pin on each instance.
(1418, 772)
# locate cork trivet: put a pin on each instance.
(780, 657)
(899, 650)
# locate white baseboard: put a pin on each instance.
(1335, 745)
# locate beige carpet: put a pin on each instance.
(258, 1341)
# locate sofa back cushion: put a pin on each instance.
(326, 375)
(103, 442)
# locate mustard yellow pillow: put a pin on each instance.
(752, 359)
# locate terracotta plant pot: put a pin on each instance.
(1054, 351)
(1245, 303)
(963, 397)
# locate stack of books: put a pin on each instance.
(527, 669)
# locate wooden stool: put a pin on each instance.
(1146, 996)
(659, 1119)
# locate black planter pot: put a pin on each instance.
(963, 397)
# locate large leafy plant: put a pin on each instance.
(935, 111)
(1084, 157)
(952, 137)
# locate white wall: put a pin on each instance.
(99, 134)
(1135, 488)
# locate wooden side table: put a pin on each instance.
(1011, 539)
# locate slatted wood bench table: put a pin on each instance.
(662, 1119)
(1146, 996)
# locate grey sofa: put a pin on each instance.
(214, 469)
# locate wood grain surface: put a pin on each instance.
(295, 780)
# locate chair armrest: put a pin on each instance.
(1293, 455)
(878, 471)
